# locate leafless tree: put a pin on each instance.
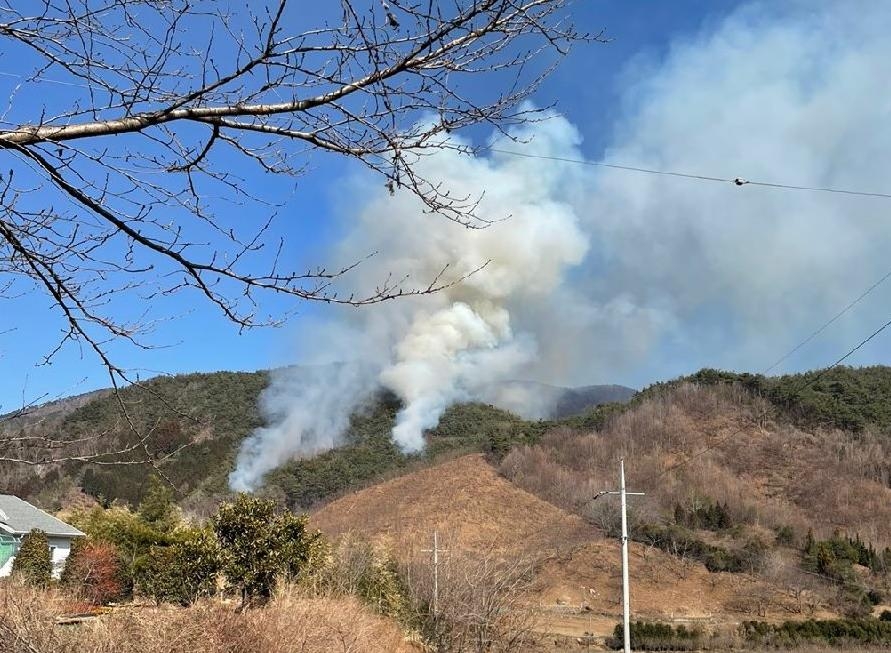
(483, 601)
(132, 126)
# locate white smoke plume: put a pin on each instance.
(433, 350)
(610, 276)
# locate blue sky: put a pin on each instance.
(596, 88)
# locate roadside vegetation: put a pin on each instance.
(253, 577)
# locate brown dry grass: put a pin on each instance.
(290, 623)
(471, 506)
(665, 588)
(769, 474)
(577, 571)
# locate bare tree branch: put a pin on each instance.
(119, 182)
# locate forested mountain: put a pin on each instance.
(786, 477)
(206, 416)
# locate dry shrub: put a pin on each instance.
(769, 475)
(356, 567)
(28, 617)
(290, 623)
(93, 572)
(482, 604)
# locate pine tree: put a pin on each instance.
(810, 543)
(157, 508)
(680, 516)
(722, 516)
(33, 562)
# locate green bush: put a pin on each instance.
(785, 536)
(132, 537)
(652, 636)
(33, 561)
(679, 541)
(182, 572)
(259, 545)
(836, 632)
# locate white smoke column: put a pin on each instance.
(308, 409)
(461, 344)
(439, 362)
(436, 349)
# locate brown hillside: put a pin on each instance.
(582, 592)
(577, 585)
(466, 500)
(719, 443)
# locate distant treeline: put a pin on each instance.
(843, 397)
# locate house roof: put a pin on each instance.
(19, 517)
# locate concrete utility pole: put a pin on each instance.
(626, 598)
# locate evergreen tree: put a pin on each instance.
(722, 516)
(680, 516)
(33, 561)
(68, 577)
(157, 509)
(258, 545)
(810, 544)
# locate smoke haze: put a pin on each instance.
(603, 275)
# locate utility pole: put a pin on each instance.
(435, 551)
(626, 598)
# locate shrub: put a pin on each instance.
(93, 572)
(831, 631)
(785, 536)
(258, 545)
(33, 562)
(652, 636)
(357, 568)
(182, 572)
(67, 577)
(131, 536)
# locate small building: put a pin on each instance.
(18, 518)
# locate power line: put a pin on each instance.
(736, 181)
(828, 323)
(806, 383)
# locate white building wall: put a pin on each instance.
(60, 548)
(6, 569)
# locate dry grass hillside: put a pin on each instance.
(471, 506)
(726, 448)
(582, 592)
(576, 583)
